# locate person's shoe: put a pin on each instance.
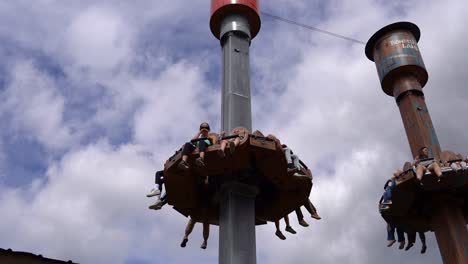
(389, 202)
(384, 207)
(203, 245)
(391, 242)
(410, 245)
(316, 216)
(290, 230)
(221, 153)
(184, 242)
(183, 165)
(232, 147)
(157, 205)
(200, 162)
(280, 235)
(297, 174)
(402, 245)
(153, 192)
(303, 223)
(423, 249)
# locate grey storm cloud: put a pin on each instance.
(123, 93)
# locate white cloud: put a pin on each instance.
(36, 106)
(90, 206)
(99, 39)
(83, 211)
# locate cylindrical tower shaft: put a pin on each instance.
(236, 102)
(403, 75)
(415, 115)
(235, 23)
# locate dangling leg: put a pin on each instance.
(437, 170)
(401, 238)
(422, 237)
(206, 235)
(288, 226)
(188, 148)
(237, 141)
(312, 210)
(220, 152)
(390, 235)
(300, 218)
(201, 147)
(188, 231)
(278, 231)
(419, 172)
(232, 146)
(411, 240)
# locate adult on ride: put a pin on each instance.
(233, 142)
(201, 141)
(424, 164)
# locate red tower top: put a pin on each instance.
(221, 8)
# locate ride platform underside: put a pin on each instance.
(258, 161)
(413, 201)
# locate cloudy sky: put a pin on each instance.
(97, 94)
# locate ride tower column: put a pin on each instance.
(402, 73)
(235, 23)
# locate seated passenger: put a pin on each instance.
(311, 209)
(189, 147)
(233, 143)
(188, 230)
(159, 180)
(391, 236)
(459, 164)
(288, 228)
(292, 160)
(389, 185)
(423, 164)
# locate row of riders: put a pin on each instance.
(421, 165)
(202, 140)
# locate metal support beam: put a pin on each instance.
(237, 224)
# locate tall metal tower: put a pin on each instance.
(235, 23)
(403, 75)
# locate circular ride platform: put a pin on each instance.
(413, 202)
(258, 161)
